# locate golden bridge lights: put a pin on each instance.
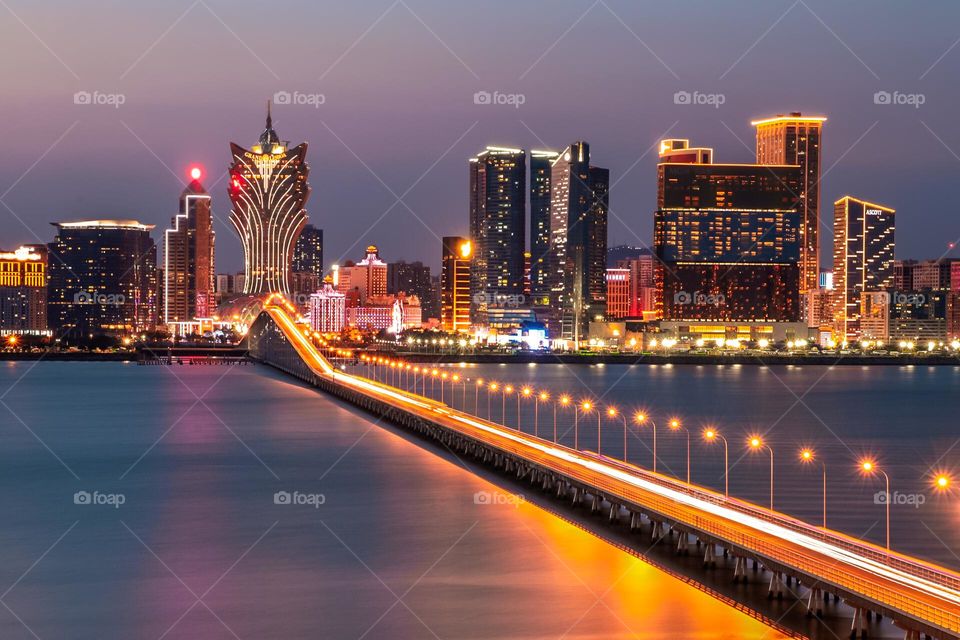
(641, 418)
(676, 426)
(613, 413)
(868, 467)
(941, 482)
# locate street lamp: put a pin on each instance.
(641, 418)
(613, 413)
(491, 387)
(525, 392)
(476, 398)
(503, 404)
(586, 406)
(757, 444)
(711, 435)
(543, 396)
(942, 482)
(676, 426)
(565, 402)
(869, 467)
(807, 456)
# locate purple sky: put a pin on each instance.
(399, 118)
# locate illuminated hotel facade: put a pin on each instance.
(455, 284)
(189, 276)
(102, 278)
(727, 239)
(498, 199)
(268, 189)
(540, 171)
(795, 139)
(863, 244)
(23, 291)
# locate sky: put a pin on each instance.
(386, 92)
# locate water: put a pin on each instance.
(903, 418)
(400, 548)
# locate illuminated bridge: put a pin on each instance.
(921, 598)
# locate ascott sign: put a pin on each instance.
(874, 212)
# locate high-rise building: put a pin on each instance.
(931, 274)
(579, 201)
(23, 291)
(498, 196)
(413, 278)
(308, 252)
(727, 242)
(102, 278)
(642, 283)
(795, 139)
(328, 309)
(268, 188)
(540, 171)
(618, 293)
(455, 284)
(189, 276)
(863, 244)
(368, 277)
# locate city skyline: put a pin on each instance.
(900, 153)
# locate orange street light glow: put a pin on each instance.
(806, 455)
(611, 412)
(868, 466)
(564, 400)
(544, 396)
(756, 442)
(586, 406)
(640, 417)
(709, 434)
(508, 389)
(942, 481)
(527, 391)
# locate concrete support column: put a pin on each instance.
(634, 521)
(614, 512)
(683, 543)
(709, 555)
(595, 504)
(740, 569)
(858, 628)
(814, 602)
(775, 590)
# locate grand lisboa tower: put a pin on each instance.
(268, 188)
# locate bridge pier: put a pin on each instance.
(740, 569)
(614, 512)
(814, 603)
(709, 555)
(656, 530)
(858, 629)
(775, 590)
(595, 504)
(634, 521)
(683, 544)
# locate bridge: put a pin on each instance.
(921, 598)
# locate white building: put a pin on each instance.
(328, 309)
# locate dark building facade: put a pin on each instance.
(579, 204)
(102, 278)
(540, 169)
(308, 252)
(413, 278)
(728, 242)
(498, 196)
(189, 275)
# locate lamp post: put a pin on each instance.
(711, 435)
(869, 467)
(676, 426)
(491, 387)
(641, 418)
(543, 396)
(525, 392)
(503, 404)
(807, 456)
(565, 402)
(588, 406)
(613, 413)
(443, 378)
(476, 398)
(757, 444)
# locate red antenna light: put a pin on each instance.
(195, 173)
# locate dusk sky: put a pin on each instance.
(399, 120)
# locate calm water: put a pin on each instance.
(905, 418)
(398, 549)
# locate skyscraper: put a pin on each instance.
(863, 244)
(268, 188)
(455, 284)
(540, 171)
(328, 309)
(308, 252)
(497, 215)
(579, 201)
(23, 290)
(795, 139)
(368, 277)
(727, 239)
(102, 278)
(189, 277)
